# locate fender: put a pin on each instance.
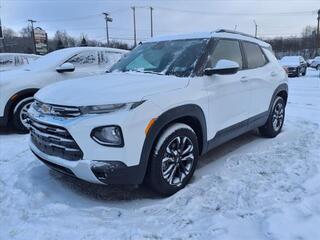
(281, 87)
(11, 101)
(189, 110)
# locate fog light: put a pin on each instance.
(108, 136)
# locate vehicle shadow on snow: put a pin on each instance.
(7, 131)
(115, 193)
(103, 192)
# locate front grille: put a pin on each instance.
(55, 141)
(56, 110)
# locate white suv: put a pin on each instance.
(17, 87)
(166, 103)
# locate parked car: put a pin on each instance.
(166, 103)
(294, 65)
(316, 63)
(309, 61)
(9, 61)
(18, 87)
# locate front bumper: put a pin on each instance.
(91, 162)
(100, 172)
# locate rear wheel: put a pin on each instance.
(174, 159)
(275, 120)
(20, 116)
(304, 72)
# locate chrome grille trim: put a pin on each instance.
(54, 141)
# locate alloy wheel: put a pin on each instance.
(24, 114)
(278, 116)
(178, 160)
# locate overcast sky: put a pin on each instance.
(274, 17)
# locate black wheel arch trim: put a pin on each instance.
(188, 110)
(282, 87)
(11, 102)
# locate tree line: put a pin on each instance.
(21, 42)
(304, 45)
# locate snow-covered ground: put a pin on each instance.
(249, 188)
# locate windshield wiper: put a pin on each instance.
(143, 71)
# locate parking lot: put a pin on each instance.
(248, 188)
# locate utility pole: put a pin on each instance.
(32, 35)
(134, 26)
(318, 34)
(151, 18)
(108, 19)
(2, 38)
(255, 28)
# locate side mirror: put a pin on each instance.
(66, 67)
(223, 67)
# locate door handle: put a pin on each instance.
(244, 79)
(273, 74)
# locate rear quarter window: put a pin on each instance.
(255, 56)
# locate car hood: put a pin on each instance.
(108, 88)
(289, 64)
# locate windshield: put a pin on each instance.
(178, 57)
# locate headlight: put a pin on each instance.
(109, 107)
(108, 136)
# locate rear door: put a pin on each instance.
(260, 75)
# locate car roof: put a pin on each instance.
(220, 33)
(78, 49)
(19, 54)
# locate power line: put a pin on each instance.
(237, 13)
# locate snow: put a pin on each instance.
(249, 188)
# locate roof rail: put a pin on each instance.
(236, 32)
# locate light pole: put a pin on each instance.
(108, 19)
(318, 34)
(151, 20)
(134, 26)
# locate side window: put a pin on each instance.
(226, 49)
(6, 61)
(84, 59)
(108, 58)
(255, 56)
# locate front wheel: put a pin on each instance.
(275, 120)
(304, 72)
(20, 116)
(174, 159)
(318, 68)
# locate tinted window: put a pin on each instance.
(226, 49)
(254, 54)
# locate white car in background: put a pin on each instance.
(10, 61)
(316, 63)
(18, 87)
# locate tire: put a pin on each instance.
(19, 115)
(172, 164)
(318, 67)
(304, 72)
(275, 120)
